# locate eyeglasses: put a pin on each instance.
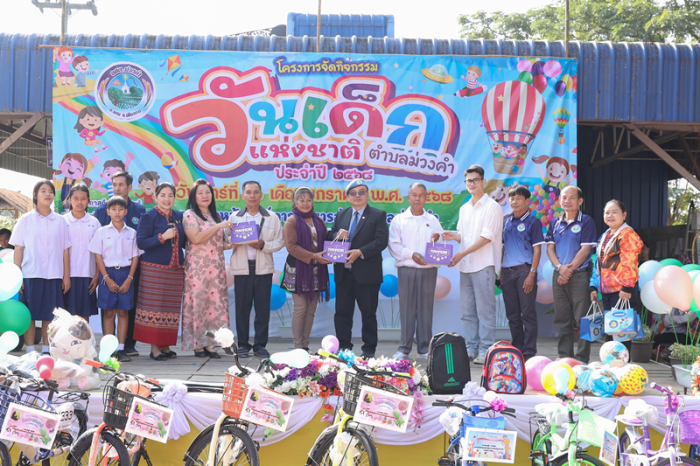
(357, 193)
(473, 181)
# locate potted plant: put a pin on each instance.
(642, 348)
(681, 358)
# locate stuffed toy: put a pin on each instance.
(71, 340)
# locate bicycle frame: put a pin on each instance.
(96, 441)
(568, 444)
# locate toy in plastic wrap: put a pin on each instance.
(614, 354)
(71, 340)
(602, 383)
(583, 374)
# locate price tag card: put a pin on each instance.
(149, 420)
(267, 408)
(29, 426)
(383, 409)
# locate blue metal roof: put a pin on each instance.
(302, 24)
(617, 81)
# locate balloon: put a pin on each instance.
(696, 292)
(547, 377)
(390, 286)
(331, 282)
(230, 277)
(442, 287)
(691, 267)
(567, 80)
(7, 255)
(582, 373)
(389, 266)
(277, 298)
(540, 83)
(693, 274)
(533, 368)
(561, 380)
(552, 68)
(560, 88)
(596, 365)
(647, 272)
(548, 273)
(108, 345)
(10, 280)
(602, 382)
(633, 379)
(674, 286)
(671, 261)
(524, 65)
(8, 342)
(525, 77)
(537, 68)
(653, 302)
(544, 293)
(276, 276)
(330, 343)
(45, 365)
(614, 353)
(571, 362)
(297, 358)
(497, 291)
(14, 317)
(574, 83)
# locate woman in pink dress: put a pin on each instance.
(205, 304)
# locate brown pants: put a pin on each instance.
(303, 319)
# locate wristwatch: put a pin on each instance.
(557, 268)
(533, 270)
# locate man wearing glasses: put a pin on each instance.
(359, 279)
(479, 233)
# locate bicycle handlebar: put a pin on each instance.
(447, 404)
(360, 370)
(661, 389)
(122, 375)
(24, 377)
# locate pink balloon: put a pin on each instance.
(552, 68)
(442, 287)
(696, 290)
(545, 294)
(674, 287)
(276, 276)
(330, 343)
(229, 276)
(524, 65)
(533, 368)
(571, 362)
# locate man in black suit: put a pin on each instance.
(360, 278)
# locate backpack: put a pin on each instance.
(448, 364)
(504, 369)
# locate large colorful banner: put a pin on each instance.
(300, 119)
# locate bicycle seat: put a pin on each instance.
(297, 358)
(637, 412)
(629, 420)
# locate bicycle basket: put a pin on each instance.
(474, 422)
(234, 395)
(117, 404)
(591, 427)
(7, 396)
(690, 426)
(353, 386)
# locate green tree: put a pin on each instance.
(680, 194)
(592, 20)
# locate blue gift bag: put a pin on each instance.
(592, 323)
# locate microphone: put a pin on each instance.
(171, 224)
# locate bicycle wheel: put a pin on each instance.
(5, 459)
(67, 438)
(234, 447)
(680, 461)
(622, 446)
(110, 450)
(694, 452)
(366, 451)
(538, 445)
(582, 459)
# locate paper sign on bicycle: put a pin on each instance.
(608, 451)
(383, 409)
(267, 408)
(29, 426)
(494, 446)
(149, 420)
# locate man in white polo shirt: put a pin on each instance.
(409, 233)
(480, 236)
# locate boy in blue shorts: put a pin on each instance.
(117, 257)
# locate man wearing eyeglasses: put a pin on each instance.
(480, 237)
(359, 279)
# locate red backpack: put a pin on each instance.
(504, 369)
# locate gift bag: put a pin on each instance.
(335, 251)
(592, 323)
(244, 232)
(622, 322)
(638, 336)
(438, 253)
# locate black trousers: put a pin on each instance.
(249, 288)
(347, 292)
(520, 310)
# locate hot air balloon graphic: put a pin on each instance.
(561, 118)
(512, 113)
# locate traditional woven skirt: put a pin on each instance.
(158, 305)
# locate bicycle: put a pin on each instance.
(552, 449)
(680, 427)
(23, 389)
(108, 443)
(359, 447)
(229, 438)
(453, 454)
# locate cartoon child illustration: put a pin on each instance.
(148, 182)
(74, 167)
(557, 170)
(89, 125)
(82, 65)
(109, 168)
(473, 86)
(64, 56)
(498, 191)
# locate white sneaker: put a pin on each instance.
(480, 359)
(400, 355)
(471, 357)
(422, 355)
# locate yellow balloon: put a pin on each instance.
(633, 379)
(568, 81)
(548, 381)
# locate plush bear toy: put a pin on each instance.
(71, 341)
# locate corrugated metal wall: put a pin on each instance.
(302, 24)
(617, 81)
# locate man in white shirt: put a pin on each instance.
(409, 233)
(480, 234)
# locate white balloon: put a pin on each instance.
(10, 280)
(652, 301)
(108, 345)
(8, 341)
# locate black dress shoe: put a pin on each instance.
(212, 354)
(169, 354)
(160, 357)
(367, 355)
(201, 354)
